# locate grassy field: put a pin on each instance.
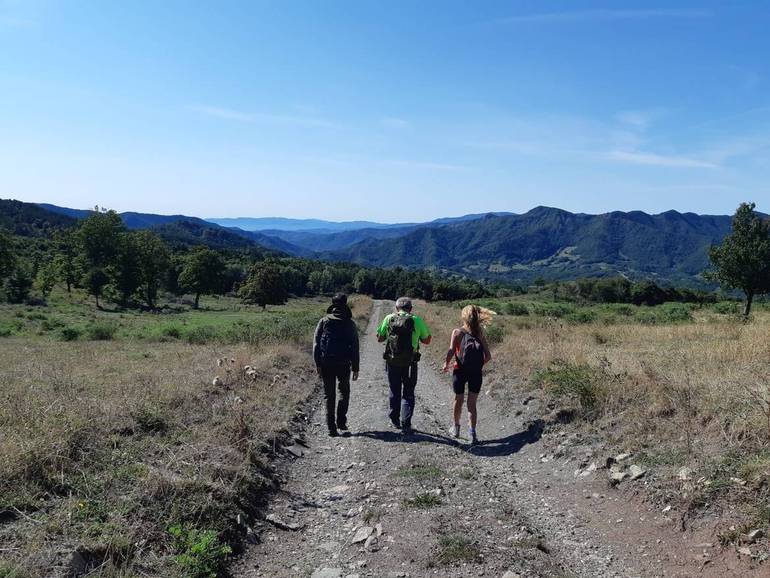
(677, 385)
(118, 450)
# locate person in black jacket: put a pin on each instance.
(335, 351)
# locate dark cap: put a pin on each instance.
(340, 299)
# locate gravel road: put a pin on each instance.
(384, 504)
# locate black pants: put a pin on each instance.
(336, 376)
(402, 382)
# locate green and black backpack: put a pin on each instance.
(399, 350)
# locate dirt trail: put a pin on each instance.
(511, 505)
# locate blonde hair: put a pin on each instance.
(476, 318)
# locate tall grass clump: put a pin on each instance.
(581, 383)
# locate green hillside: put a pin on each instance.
(555, 244)
(29, 220)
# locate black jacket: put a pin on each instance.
(338, 314)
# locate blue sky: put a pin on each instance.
(388, 111)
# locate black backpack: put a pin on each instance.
(335, 340)
(399, 350)
(471, 354)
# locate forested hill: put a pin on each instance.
(555, 244)
(177, 230)
(28, 220)
(544, 243)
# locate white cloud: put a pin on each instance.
(426, 165)
(261, 118)
(640, 119)
(395, 123)
(652, 159)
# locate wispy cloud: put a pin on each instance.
(426, 165)
(395, 123)
(657, 160)
(604, 15)
(261, 118)
(640, 119)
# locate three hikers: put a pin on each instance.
(468, 352)
(403, 333)
(336, 354)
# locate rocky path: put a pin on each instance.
(523, 503)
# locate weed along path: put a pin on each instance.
(384, 504)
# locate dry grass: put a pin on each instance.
(106, 445)
(691, 394)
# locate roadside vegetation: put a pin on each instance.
(143, 448)
(683, 387)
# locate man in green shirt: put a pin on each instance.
(403, 333)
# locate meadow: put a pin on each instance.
(682, 387)
(120, 453)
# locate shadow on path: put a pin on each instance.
(509, 445)
(414, 437)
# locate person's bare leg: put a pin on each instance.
(472, 397)
(458, 410)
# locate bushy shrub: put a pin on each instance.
(581, 317)
(558, 310)
(101, 331)
(726, 307)
(201, 335)
(515, 309)
(69, 334)
(200, 553)
(494, 334)
(676, 312)
(172, 331)
(622, 309)
(580, 382)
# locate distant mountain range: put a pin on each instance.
(320, 226)
(544, 242)
(555, 244)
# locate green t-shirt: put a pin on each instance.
(421, 330)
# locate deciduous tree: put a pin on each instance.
(265, 285)
(742, 260)
(203, 273)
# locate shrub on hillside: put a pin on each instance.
(494, 334)
(726, 307)
(581, 317)
(69, 334)
(201, 335)
(101, 331)
(557, 310)
(579, 382)
(515, 309)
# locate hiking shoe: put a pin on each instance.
(333, 433)
(396, 422)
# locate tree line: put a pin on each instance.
(623, 290)
(134, 268)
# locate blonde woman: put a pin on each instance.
(468, 347)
